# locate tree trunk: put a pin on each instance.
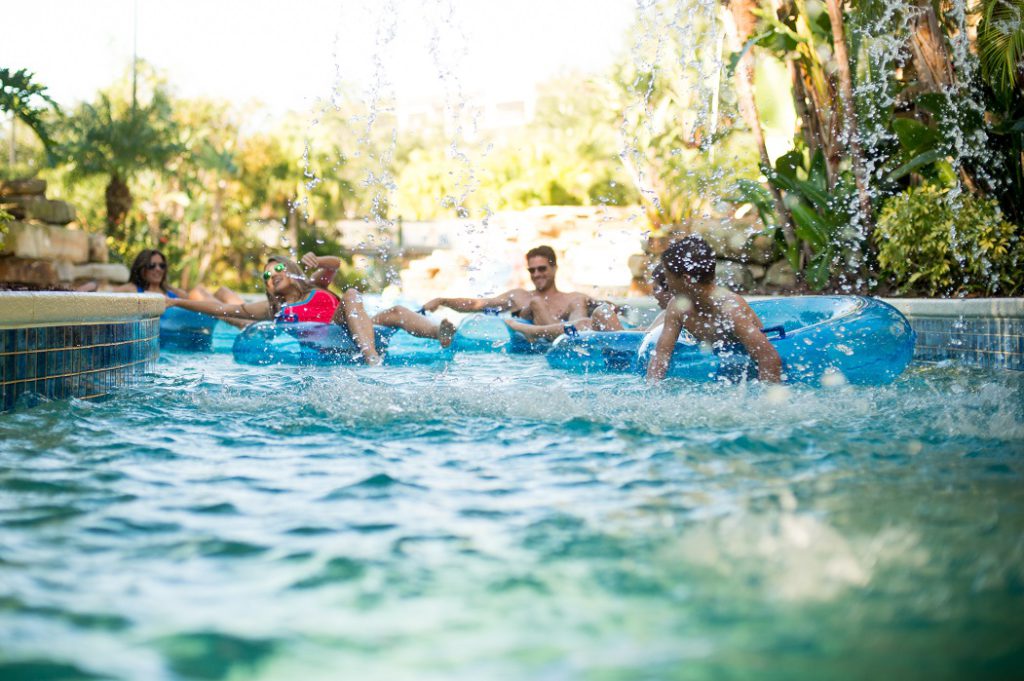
(745, 22)
(927, 42)
(835, 15)
(119, 202)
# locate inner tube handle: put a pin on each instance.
(780, 329)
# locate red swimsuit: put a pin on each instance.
(318, 306)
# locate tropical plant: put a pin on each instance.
(940, 242)
(1001, 45)
(1001, 54)
(822, 215)
(117, 139)
(679, 139)
(28, 101)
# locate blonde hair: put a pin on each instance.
(296, 274)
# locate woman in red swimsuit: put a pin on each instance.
(294, 297)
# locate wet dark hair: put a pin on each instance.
(690, 257)
(543, 252)
(658, 280)
(138, 276)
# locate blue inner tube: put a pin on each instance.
(865, 340)
(182, 329)
(302, 343)
(597, 352)
(489, 333)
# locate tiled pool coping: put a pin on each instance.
(986, 332)
(55, 345)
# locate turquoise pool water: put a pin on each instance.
(500, 520)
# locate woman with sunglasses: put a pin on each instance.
(293, 297)
(148, 274)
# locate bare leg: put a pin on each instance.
(226, 295)
(352, 315)
(416, 324)
(547, 331)
(200, 292)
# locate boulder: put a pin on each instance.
(780, 275)
(113, 273)
(733, 275)
(28, 271)
(44, 242)
(736, 240)
(98, 250)
(30, 186)
(15, 209)
(640, 265)
(50, 212)
(757, 270)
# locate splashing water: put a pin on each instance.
(497, 519)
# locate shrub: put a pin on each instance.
(933, 243)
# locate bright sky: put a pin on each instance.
(290, 54)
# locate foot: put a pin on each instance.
(372, 359)
(445, 333)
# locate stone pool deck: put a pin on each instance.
(57, 345)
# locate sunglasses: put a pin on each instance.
(279, 267)
(156, 266)
(537, 270)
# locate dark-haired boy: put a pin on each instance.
(710, 314)
(544, 305)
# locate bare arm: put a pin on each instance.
(324, 268)
(747, 328)
(257, 310)
(180, 292)
(506, 301)
(578, 307)
(659, 320)
(123, 288)
(658, 366)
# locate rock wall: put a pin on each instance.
(746, 258)
(44, 247)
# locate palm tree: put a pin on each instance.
(27, 101)
(118, 141)
(1000, 45)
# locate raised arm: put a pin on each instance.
(506, 301)
(658, 366)
(747, 328)
(258, 310)
(324, 268)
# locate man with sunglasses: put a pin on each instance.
(544, 305)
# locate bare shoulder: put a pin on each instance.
(518, 294)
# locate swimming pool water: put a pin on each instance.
(497, 519)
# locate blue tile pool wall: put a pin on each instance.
(85, 361)
(990, 342)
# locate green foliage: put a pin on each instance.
(27, 100)
(1001, 46)
(821, 215)
(933, 243)
(111, 138)
(680, 137)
